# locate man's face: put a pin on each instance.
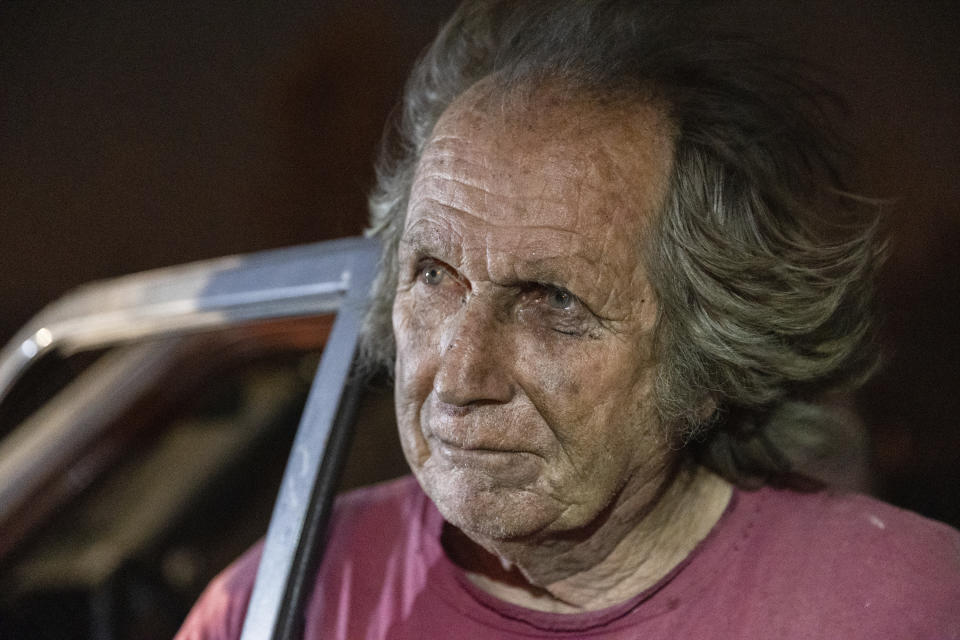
(523, 315)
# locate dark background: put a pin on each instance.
(139, 136)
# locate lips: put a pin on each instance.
(486, 466)
(476, 445)
(454, 452)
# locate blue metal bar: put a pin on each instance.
(291, 549)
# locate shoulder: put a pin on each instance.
(863, 560)
(221, 609)
(858, 526)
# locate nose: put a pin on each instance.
(474, 359)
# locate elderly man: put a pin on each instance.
(619, 272)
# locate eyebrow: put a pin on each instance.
(428, 238)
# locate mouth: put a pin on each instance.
(502, 467)
(451, 448)
(499, 462)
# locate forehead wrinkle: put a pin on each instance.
(442, 150)
(566, 159)
(473, 220)
(566, 194)
(459, 170)
(570, 121)
(460, 202)
(451, 147)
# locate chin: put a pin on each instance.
(483, 510)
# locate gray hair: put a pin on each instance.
(763, 264)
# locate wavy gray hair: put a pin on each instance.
(762, 262)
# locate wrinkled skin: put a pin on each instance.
(523, 321)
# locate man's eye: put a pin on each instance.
(432, 274)
(559, 298)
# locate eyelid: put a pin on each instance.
(423, 262)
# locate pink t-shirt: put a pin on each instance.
(778, 564)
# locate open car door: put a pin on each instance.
(323, 279)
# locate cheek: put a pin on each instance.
(419, 317)
(418, 329)
(586, 389)
(415, 345)
(413, 377)
(558, 386)
(572, 372)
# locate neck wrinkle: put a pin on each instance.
(619, 559)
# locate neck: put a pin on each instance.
(630, 547)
